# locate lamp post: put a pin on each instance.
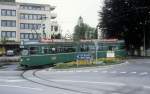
(96, 48)
(144, 45)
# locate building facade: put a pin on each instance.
(26, 21)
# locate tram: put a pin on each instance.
(52, 52)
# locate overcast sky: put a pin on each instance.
(68, 11)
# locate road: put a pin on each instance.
(128, 78)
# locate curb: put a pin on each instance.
(89, 68)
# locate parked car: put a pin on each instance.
(10, 53)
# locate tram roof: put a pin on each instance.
(69, 42)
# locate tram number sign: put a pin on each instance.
(84, 56)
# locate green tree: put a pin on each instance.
(128, 20)
(83, 31)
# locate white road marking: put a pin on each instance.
(91, 82)
(144, 73)
(104, 71)
(22, 87)
(86, 71)
(95, 71)
(14, 81)
(123, 72)
(79, 71)
(11, 80)
(133, 72)
(147, 87)
(12, 77)
(70, 71)
(115, 93)
(113, 72)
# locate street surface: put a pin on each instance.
(132, 77)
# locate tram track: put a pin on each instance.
(89, 88)
(48, 85)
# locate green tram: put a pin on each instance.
(49, 53)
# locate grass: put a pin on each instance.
(83, 63)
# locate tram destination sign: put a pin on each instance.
(84, 56)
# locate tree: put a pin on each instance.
(83, 31)
(128, 20)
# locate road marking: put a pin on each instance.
(22, 87)
(86, 71)
(95, 71)
(11, 80)
(133, 72)
(79, 71)
(14, 81)
(91, 82)
(113, 72)
(147, 87)
(144, 73)
(115, 93)
(12, 77)
(104, 71)
(123, 72)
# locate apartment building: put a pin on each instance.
(26, 21)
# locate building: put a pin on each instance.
(55, 30)
(26, 21)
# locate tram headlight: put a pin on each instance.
(21, 60)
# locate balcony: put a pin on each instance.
(53, 15)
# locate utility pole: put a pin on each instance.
(144, 45)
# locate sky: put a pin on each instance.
(68, 12)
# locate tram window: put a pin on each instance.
(24, 52)
(33, 50)
(100, 48)
(121, 47)
(71, 49)
(112, 48)
(46, 51)
(53, 50)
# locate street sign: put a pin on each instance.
(110, 54)
(84, 56)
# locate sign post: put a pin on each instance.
(83, 56)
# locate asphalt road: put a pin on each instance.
(132, 77)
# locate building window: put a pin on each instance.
(26, 36)
(30, 26)
(8, 23)
(6, 12)
(22, 26)
(26, 16)
(56, 28)
(8, 34)
(31, 7)
(32, 16)
(21, 36)
(51, 28)
(22, 16)
(30, 36)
